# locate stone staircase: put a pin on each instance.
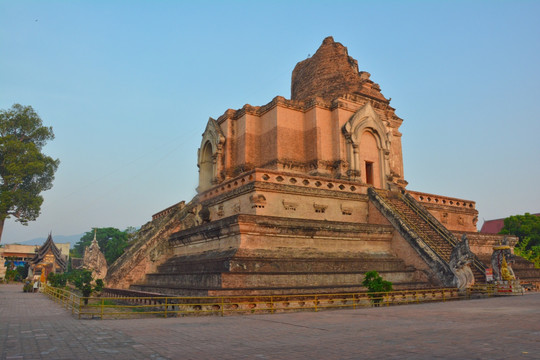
(149, 249)
(427, 235)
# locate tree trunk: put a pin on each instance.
(1, 228)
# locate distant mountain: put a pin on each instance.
(61, 239)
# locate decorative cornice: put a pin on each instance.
(282, 181)
(341, 102)
(432, 199)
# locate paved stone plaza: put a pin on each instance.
(34, 327)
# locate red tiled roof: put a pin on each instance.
(494, 226)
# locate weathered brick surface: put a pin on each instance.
(150, 248)
(305, 159)
(329, 73)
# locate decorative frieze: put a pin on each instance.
(257, 201)
(346, 210)
(296, 180)
(320, 208)
(290, 206)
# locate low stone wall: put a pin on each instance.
(482, 244)
(455, 214)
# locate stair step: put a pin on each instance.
(425, 229)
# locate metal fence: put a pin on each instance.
(502, 289)
(117, 303)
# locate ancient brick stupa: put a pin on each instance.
(94, 260)
(304, 196)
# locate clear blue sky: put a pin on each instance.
(129, 85)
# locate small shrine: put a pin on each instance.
(48, 259)
(503, 275)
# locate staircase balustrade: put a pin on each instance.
(425, 226)
(437, 226)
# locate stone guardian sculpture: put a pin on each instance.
(460, 261)
(501, 261)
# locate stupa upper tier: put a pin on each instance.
(331, 73)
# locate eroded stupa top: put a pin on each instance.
(94, 260)
(331, 73)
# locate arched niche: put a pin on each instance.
(206, 167)
(210, 156)
(369, 156)
(368, 147)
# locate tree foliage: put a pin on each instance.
(111, 241)
(57, 280)
(82, 279)
(376, 285)
(24, 170)
(14, 273)
(527, 229)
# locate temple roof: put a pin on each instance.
(494, 226)
(331, 73)
(47, 246)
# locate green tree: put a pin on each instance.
(14, 273)
(376, 285)
(57, 280)
(131, 232)
(111, 241)
(527, 229)
(82, 279)
(24, 170)
(10, 269)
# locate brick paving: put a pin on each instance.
(34, 327)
